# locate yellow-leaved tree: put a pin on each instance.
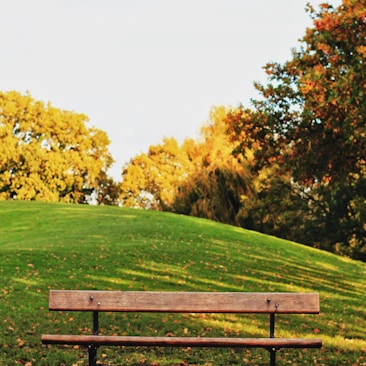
(200, 177)
(46, 153)
(151, 180)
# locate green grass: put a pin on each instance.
(54, 246)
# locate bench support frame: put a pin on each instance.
(183, 302)
(92, 349)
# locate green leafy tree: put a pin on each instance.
(277, 208)
(310, 122)
(46, 153)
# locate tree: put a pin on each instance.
(219, 182)
(277, 208)
(108, 191)
(135, 188)
(46, 153)
(151, 180)
(199, 178)
(310, 122)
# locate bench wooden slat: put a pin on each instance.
(181, 341)
(188, 302)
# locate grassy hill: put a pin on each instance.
(54, 246)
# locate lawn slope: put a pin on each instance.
(55, 246)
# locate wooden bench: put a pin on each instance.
(183, 302)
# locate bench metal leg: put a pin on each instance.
(93, 349)
(92, 355)
(272, 353)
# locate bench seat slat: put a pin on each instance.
(186, 302)
(181, 341)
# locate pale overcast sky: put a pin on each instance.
(145, 69)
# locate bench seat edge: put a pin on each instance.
(100, 340)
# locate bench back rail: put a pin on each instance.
(185, 302)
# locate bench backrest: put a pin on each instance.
(185, 302)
